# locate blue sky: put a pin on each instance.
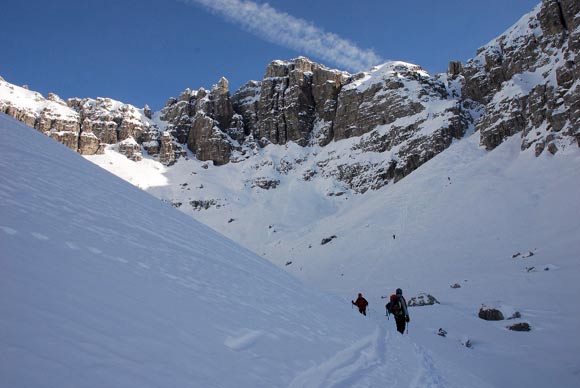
(143, 52)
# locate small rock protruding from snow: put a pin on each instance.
(552, 148)
(265, 183)
(326, 240)
(521, 326)
(465, 341)
(516, 315)
(490, 314)
(422, 300)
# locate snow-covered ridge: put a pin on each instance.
(87, 125)
(515, 36)
(378, 74)
(22, 98)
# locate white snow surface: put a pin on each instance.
(459, 219)
(103, 285)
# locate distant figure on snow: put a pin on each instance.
(361, 303)
(398, 307)
(393, 236)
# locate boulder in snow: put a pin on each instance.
(422, 300)
(521, 326)
(490, 313)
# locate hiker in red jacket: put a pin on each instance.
(361, 303)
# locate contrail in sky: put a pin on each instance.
(281, 28)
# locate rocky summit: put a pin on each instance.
(524, 82)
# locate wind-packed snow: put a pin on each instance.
(104, 285)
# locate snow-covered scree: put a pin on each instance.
(104, 285)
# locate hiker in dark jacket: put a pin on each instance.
(398, 307)
(361, 303)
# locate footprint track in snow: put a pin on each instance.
(348, 366)
(428, 374)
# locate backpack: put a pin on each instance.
(395, 306)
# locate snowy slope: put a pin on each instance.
(458, 219)
(465, 230)
(105, 286)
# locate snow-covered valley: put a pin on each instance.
(106, 285)
(243, 224)
(460, 219)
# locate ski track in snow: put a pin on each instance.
(361, 364)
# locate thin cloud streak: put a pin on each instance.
(283, 29)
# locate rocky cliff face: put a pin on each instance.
(528, 80)
(404, 110)
(387, 121)
(203, 120)
(84, 125)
